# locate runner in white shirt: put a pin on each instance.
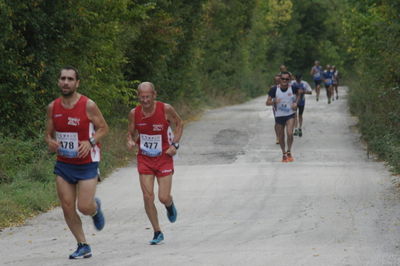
(285, 98)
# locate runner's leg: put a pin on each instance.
(147, 186)
(67, 195)
(164, 190)
(289, 132)
(281, 136)
(86, 192)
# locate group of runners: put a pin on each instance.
(287, 98)
(329, 77)
(75, 128)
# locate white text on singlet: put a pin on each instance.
(68, 144)
(151, 145)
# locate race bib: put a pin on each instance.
(151, 145)
(284, 107)
(68, 144)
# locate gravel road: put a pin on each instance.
(238, 204)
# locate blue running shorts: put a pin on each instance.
(73, 173)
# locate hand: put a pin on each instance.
(171, 151)
(131, 144)
(53, 145)
(277, 100)
(84, 148)
(294, 106)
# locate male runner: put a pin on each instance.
(285, 97)
(149, 129)
(328, 76)
(302, 87)
(335, 81)
(316, 73)
(277, 81)
(74, 129)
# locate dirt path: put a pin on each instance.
(238, 204)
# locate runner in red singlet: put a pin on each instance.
(149, 129)
(74, 128)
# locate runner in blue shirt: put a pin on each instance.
(316, 73)
(303, 88)
(328, 76)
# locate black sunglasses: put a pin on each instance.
(284, 79)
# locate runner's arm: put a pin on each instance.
(132, 132)
(271, 100)
(100, 125)
(49, 133)
(308, 89)
(177, 123)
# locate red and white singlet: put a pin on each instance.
(72, 126)
(155, 134)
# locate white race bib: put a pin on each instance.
(68, 144)
(151, 145)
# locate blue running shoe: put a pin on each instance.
(98, 219)
(82, 252)
(158, 237)
(172, 213)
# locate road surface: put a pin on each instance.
(238, 204)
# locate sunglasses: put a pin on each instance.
(284, 79)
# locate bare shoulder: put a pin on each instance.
(132, 111)
(50, 108)
(91, 104)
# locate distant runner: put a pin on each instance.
(303, 88)
(149, 129)
(285, 98)
(328, 77)
(316, 73)
(335, 81)
(74, 129)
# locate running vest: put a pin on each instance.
(155, 134)
(328, 77)
(287, 98)
(72, 126)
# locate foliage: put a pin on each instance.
(195, 52)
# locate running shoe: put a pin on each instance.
(296, 132)
(317, 99)
(337, 97)
(158, 237)
(82, 252)
(329, 101)
(290, 157)
(300, 132)
(284, 158)
(172, 214)
(98, 218)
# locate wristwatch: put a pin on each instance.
(176, 145)
(92, 141)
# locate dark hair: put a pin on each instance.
(285, 73)
(298, 76)
(77, 76)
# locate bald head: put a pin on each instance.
(146, 86)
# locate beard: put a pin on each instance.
(67, 93)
